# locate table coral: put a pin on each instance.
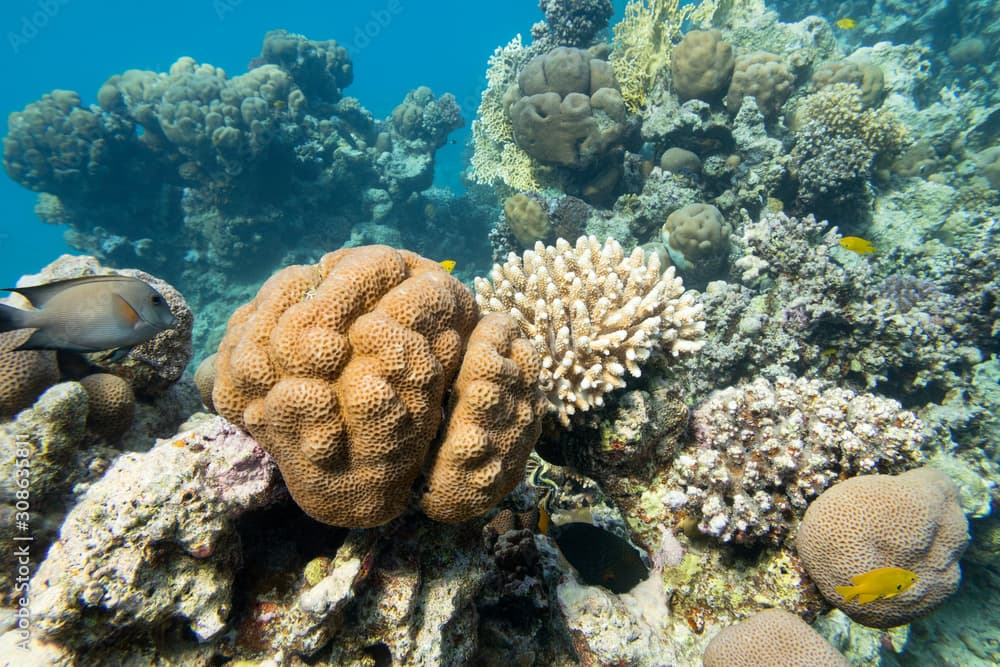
(340, 370)
(593, 314)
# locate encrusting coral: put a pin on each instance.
(340, 370)
(593, 314)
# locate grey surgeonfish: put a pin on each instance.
(89, 314)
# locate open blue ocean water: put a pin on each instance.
(395, 45)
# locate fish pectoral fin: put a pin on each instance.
(124, 312)
(119, 354)
(847, 592)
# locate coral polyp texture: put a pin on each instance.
(494, 420)
(912, 521)
(594, 314)
(340, 370)
(772, 637)
(763, 450)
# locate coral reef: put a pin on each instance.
(838, 140)
(593, 314)
(230, 175)
(571, 22)
(911, 521)
(762, 451)
(643, 42)
(147, 541)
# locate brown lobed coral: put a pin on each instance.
(24, 374)
(566, 108)
(701, 65)
(340, 371)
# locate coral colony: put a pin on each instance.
(701, 369)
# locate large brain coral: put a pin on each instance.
(340, 371)
(912, 521)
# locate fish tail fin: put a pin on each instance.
(14, 318)
(848, 592)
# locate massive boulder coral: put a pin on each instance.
(701, 65)
(762, 76)
(340, 370)
(772, 637)
(566, 108)
(763, 450)
(593, 314)
(912, 521)
(24, 374)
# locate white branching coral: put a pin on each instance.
(594, 314)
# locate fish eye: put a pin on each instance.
(157, 299)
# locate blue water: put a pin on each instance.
(396, 45)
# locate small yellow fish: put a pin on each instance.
(544, 520)
(857, 244)
(449, 265)
(846, 24)
(881, 583)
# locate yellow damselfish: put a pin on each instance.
(881, 583)
(857, 244)
(449, 265)
(847, 24)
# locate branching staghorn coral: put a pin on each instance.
(643, 40)
(593, 313)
